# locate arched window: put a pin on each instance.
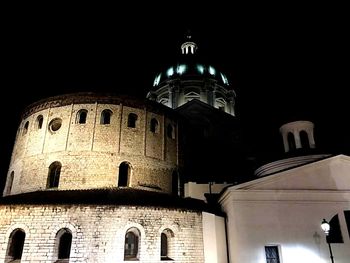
(291, 141)
(15, 245)
(39, 121)
(9, 183)
(154, 127)
(132, 119)
(170, 131)
(166, 245)
(81, 116)
(63, 243)
(25, 128)
(54, 175)
(131, 244)
(106, 117)
(335, 235)
(124, 174)
(304, 139)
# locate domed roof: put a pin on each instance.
(191, 78)
(190, 66)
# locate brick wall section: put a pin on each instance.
(57, 141)
(155, 140)
(133, 139)
(80, 136)
(91, 153)
(99, 232)
(107, 133)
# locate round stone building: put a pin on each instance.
(94, 178)
(85, 141)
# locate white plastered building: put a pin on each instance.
(283, 212)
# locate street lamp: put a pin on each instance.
(326, 227)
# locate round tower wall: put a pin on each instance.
(90, 153)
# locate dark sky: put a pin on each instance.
(285, 62)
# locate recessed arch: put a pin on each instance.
(154, 125)
(25, 127)
(81, 116)
(132, 244)
(39, 122)
(106, 116)
(15, 245)
(54, 175)
(167, 248)
(132, 120)
(63, 244)
(124, 174)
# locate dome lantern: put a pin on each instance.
(188, 47)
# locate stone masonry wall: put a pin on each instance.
(91, 153)
(98, 232)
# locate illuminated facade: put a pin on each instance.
(95, 141)
(278, 217)
(94, 178)
(103, 178)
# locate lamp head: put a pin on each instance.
(325, 226)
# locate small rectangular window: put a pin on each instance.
(272, 255)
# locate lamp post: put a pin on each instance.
(326, 227)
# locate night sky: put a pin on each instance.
(284, 62)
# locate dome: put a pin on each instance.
(191, 78)
(190, 67)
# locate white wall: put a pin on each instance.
(289, 219)
(214, 238)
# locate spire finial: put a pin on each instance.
(188, 34)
